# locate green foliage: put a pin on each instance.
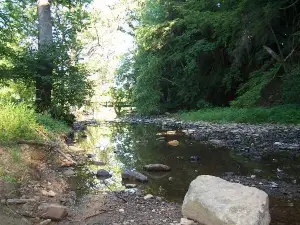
(17, 121)
(291, 87)
(20, 59)
(212, 51)
(51, 125)
(15, 154)
(120, 97)
(146, 92)
(250, 92)
(10, 179)
(281, 115)
(203, 104)
(20, 122)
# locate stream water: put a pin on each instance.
(124, 146)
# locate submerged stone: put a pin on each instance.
(173, 143)
(103, 174)
(133, 175)
(157, 167)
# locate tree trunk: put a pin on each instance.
(45, 66)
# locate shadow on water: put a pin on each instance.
(123, 146)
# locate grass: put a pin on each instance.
(274, 115)
(15, 154)
(19, 121)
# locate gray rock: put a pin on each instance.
(69, 172)
(157, 167)
(214, 201)
(184, 221)
(52, 211)
(133, 175)
(149, 196)
(90, 155)
(103, 174)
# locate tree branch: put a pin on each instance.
(294, 3)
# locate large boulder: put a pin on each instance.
(214, 201)
(133, 175)
(157, 167)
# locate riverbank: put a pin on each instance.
(253, 141)
(273, 115)
(54, 183)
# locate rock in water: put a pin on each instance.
(173, 143)
(103, 174)
(214, 201)
(133, 175)
(157, 167)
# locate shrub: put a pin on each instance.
(17, 121)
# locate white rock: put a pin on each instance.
(184, 221)
(48, 193)
(121, 210)
(214, 201)
(148, 197)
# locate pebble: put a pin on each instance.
(159, 198)
(253, 176)
(149, 196)
(48, 193)
(121, 210)
(130, 185)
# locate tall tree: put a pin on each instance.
(45, 67)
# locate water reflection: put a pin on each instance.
(123, 146)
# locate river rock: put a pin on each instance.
(48, 193)
(103, 174)
(171, 132)
(69, 172)
(149, 196)
(130, 186)
(133, 175)
(52, 211)
(90, 155)
(157, 167)
(214, 201)
(184, 221)
(173, 143)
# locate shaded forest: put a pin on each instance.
(197, 53)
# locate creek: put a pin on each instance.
(124, 146)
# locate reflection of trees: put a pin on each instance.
(134, 145)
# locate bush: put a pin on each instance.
(19, 121)
(52, 125)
